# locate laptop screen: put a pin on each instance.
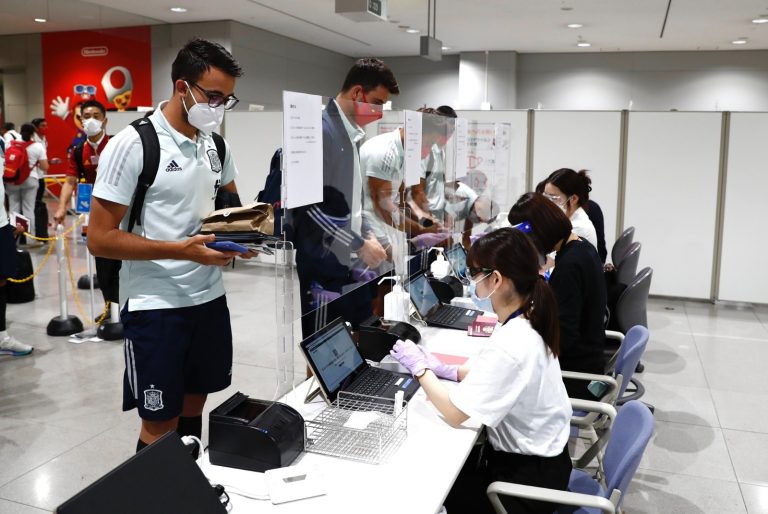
(458, 259)
(334, 356)
(422, 295)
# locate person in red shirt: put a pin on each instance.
(84, 158)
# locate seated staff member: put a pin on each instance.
(514, 386)
(578, 284)
(570, 191)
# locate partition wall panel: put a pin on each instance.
(582, 140)
(671, 197)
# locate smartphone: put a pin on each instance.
(227, 246)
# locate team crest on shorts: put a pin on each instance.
(153, 398)
(213, 156)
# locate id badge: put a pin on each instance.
(95, 160)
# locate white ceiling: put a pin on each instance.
(526, 26)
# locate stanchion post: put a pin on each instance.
(65, 324)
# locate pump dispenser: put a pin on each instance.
(440, 267)
(396, 302)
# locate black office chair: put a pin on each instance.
(631, 309)
(621, 245)
(627, 268)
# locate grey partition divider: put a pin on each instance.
(253, 138)
(673, 160)
(582, 140)
(744, 243)
(518, 121)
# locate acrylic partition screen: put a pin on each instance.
(743, 241)
(342, 183)
(582, 140)
(671, 197)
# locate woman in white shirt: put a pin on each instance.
(514, 386)
(569, 190)
(21, 198)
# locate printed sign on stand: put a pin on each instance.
(84, 198)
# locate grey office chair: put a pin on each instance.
(627, 268)
(621, 245)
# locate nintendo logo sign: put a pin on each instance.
(94, 51)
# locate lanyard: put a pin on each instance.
(514, 315)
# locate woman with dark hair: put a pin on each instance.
(21, 197)
(578, 283)
(514, 386)
(570, 190)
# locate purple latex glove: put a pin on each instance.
(322, 296)
(442, 370)
(430, 239)
(409, 355)
(366, 275)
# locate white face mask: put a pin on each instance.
(92, 127)
(203, 117)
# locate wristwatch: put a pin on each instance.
(419, 375)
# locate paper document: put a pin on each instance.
(361, 420)
(462, 148)
(302, 149)
(412, 148)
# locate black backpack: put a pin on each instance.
(271, 193)
(151, 147)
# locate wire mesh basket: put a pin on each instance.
(333, 431)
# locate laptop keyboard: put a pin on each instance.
(373, 382)
(447, 315)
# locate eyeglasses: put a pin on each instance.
(471, 272)
(217, 99)
(557, 199)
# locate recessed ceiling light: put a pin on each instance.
(412, 31)
(760, 20)
(446, 48)
(40, 20)
(740, 41)
(583, 44)
(178, 9)
(575, 25)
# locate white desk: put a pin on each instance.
(415, 480)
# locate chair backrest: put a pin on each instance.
(621, 245)
(632, 304)
(627, 267)
(630, 352)
(631, 432)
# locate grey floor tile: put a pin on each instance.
(656, 492)
(727, 320)
(756, 498)
(680, 404)
(742, 411)
(9, 507)
(690, 450)
(672, 358)
(749, 453)
(734, 364)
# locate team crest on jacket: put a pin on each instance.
(153, 398)
(213, 156)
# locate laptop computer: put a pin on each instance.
(434, 312)
(338, 366)
(457, 257)
(161, 478)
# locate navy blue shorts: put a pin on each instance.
(7, 252)
(173, 352)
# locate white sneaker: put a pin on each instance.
(10, 346)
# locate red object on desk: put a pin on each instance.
(451, 359)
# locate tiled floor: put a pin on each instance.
(61, 426)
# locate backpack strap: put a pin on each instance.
(151, 147)
(77, 153)
(221, 147)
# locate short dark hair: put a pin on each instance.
(370, 73)
(513, 254)
(447, 110)
(8, 126)
(37, 121)
(26, 131)
(572, 183)
(549, 224)
(93, 103)
(434, 122)
(197, 57)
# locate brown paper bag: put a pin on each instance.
(254, 217)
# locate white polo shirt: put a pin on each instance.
(583, 227)
(435, 182)
(182, 194)
(382, 157)
(515, 388)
